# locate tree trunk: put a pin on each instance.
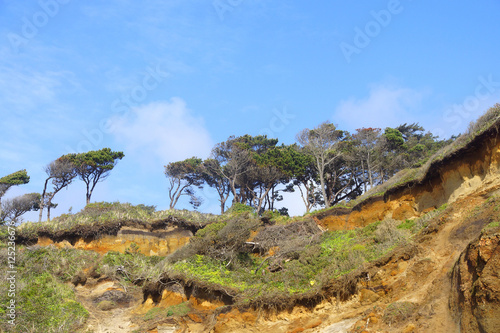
(323, 189)
(364, 174)
(306, 199)
(42, 200)
(368, 165)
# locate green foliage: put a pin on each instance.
(94, 166)
(492, 225)
(43, 302)
(50, 305)
(370, 229)
(407, 224)
(211, 230)
(239, 208)
(182, 176)
(95, 162)
(272, 215)
(442, 207)
(64, 263)
(16, 178)
(130, 266)
(206, 269)
(394, 137)
(301, 262)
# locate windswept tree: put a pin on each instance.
(406, 146)
(61, 172)
(16, 178)
(183, 176)
(298, 171)
(323, 145)
(233, 160)
(265, 176)
(12, 209)
(249, 171)
(213, 175)
(94, 166)
(367, 151)
(340, 178)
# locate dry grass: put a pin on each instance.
(107, 218)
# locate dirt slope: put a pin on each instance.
(445, 280)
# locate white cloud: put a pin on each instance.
(385, 106)
(167, 131)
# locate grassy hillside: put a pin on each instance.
(265, 262)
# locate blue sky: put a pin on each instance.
(166, 80)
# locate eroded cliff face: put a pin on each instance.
(475, 298)
(472, 169)
(159, 243)
(446, 280)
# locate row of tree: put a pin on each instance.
(327, 165)
(91, 167)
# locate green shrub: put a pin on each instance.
(495, 224)
(239, 208)
(211, 230)
(369, 229)
(46, 305)
(130, 266)
(408, 225)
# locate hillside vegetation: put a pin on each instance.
(385, 274)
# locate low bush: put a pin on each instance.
(44, 303)
(131, 266)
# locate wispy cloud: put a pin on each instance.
(167, 131)
(25, 88)
(384, 106)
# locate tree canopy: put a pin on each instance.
(182, 176)
(94, 166)
(12, 209)
(327, 165)
(16, 178)
(62, 172)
